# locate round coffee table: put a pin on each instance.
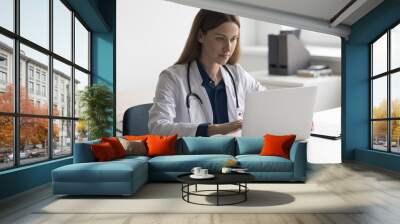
(238, 179)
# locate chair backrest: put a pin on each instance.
(135, 120)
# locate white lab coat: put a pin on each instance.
(169, 114)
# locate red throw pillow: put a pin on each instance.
(161, 145)
(116, 145)
(103, 151)
(277, 145)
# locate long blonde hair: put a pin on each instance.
(204, 21)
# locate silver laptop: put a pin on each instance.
(280, 112)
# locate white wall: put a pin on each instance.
(150, 37)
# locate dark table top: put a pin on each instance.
(220, 178)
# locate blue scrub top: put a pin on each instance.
(218, 100)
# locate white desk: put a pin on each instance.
(328, 87)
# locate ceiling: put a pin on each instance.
(319, 9)
(324, 16)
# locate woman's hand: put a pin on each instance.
(224, 128)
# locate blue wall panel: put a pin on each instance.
(103, 64)
(377, 158)
(356, 100)
(102, 59)
(355, 85)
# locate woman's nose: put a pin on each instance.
(228, 45)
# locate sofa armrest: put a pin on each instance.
(298, 155)
(83, 152)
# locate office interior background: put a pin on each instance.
(158, 38)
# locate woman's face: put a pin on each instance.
(219, 43)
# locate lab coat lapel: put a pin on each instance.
(198, 88)
(230, 94)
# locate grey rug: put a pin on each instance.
(166, 198)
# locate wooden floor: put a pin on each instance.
(378, 188)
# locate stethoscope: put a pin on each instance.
(197, 96)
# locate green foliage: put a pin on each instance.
(380, 127)
(96, 102)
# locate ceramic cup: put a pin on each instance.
(226, 170)
(196, 170)
(203, 172)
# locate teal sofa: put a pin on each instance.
(125, 176)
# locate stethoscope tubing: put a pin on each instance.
(197, 96)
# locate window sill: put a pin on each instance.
(27, 167)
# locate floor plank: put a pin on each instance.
(377, 189)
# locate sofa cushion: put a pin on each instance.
(185, 163)
(277, 145)
(134, 147)
(257, 163)
(249, 145)
(83, 152)
(116, 145)
(206, 145)
(161, 145)
(111, 171)
(103, 152)
(131, 158)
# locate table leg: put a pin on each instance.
(245, 191)
(196, 188)
(217, 194)
(182, 190)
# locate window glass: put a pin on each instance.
(7, 14)
(39, 62)
(395, 95)
(395, 136)
(395, 47)
(81, 45)
(6, 74)
(379, 135)
(34, 21)
(62, 29)
(33, 140)
(379, 97)
(81, 81)
(6, 142)
(379, 55)
(81, 131)
(62, 91)
(62, 138)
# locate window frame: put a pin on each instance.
(16, 114)
(388, 74)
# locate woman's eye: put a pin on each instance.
(220, 38)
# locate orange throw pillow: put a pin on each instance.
(161, 145)
(103, 152)
(275, 145)
(116, 145)
(136, 137)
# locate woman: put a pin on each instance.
(203, 93)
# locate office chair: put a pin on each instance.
(135, 120)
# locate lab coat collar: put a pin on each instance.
(230, 93)
(196, 83)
